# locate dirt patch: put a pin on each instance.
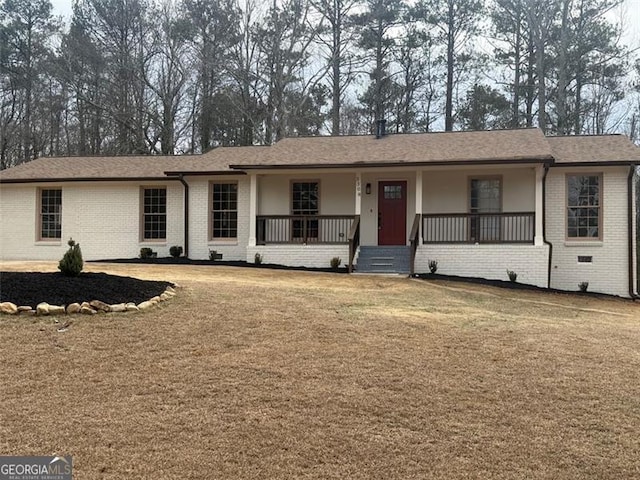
(31, 288)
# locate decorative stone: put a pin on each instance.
(27, 313)
(98, 305)
(129, 304)
(132, 308)
(73, 308)
(87, 311)
(24, 308)
(171, 294)
(118, 307)
(56, 310)
(155, 299)
(146, 304)
(42, 308)
(8, 308)
(171, 290)
(164, 297)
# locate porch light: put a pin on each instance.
(367, 189)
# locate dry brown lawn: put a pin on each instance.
(270, 374)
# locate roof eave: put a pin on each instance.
(301, 166)
(203, 173)
(599, 163)
(85, 179)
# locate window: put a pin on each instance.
(154, 216)
(584, 206)
(393, 192)
(50, 214)
(224, 214)
(485, 197)
(305, 200)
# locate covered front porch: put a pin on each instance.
(307, 218)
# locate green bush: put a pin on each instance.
(513, 276)
(175, 251)
(146, 252)
(583, 286)
(257, 259)
(335, 263)
(71, 263)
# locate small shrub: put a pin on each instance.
(212, 254)
(335, 263)
(433, 266)
(175, 251)
(146, 252)
(71, 263)
(257, 259)
(513, 276)
(583, 286)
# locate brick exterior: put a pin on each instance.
(314, 256)
(608, 271)
(103, 217)
(487, 261)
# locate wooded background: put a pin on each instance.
(183, 76)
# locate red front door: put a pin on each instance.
(392, 213)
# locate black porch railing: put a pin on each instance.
(516, 227)
(303, 229)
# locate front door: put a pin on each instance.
(392, 213)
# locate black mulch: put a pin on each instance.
(31, 288)
(219, 263)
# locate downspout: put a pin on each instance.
(632, 239)
(544, 223)
(186, 215)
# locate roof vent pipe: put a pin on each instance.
(381, 128)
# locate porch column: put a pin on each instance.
(358, 197)
(253, 208)
(419, 202)
(538, 238)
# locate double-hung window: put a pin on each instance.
(224, 211)
(305, 202)
(584, 207)
(154, 214)
(50, 214)
(485, 198)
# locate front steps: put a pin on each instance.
(384, 259)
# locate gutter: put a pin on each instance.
(544, 223)
(186, 215)
(632, 239)
(85, 179)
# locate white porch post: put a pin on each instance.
(538, 238)
(419, 202)
(358, 193)
(253, 208)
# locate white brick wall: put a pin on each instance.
(199, 208)
(103, 217)
(487, 261)
(314, 256)
(609, 271)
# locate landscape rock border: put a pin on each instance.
(85, 308)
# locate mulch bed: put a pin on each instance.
(31, 288)
(218, 263)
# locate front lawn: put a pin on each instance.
(252, 373)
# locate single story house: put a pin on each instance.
(558, 211)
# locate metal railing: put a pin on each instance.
(513, 227)
(303, 229)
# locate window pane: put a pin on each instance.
(224, 219)
(50, 214)
(583, 206)
(155, 213)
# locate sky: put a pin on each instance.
(630, 13)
